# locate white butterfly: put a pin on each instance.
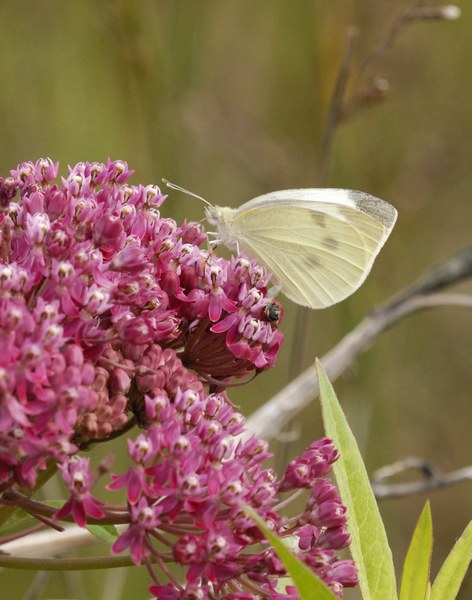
(320, 244)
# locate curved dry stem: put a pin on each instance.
(267, 421)
(432, 478)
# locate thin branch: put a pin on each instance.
(335, 107)
(66, 564)
(338, 109)
(266, 422)
(48, 522)
(398, 25)
(377, 89)
(37, 509)
(453, 270)
(432, 478)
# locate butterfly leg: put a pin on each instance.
(213, 243)
(216, 241)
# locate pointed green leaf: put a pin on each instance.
(369, 546)
(415, 576)
(308, 585)
(449, 579)
(106, 533)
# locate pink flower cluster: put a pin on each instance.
(103, 301)
(187, 487)
(113, 317)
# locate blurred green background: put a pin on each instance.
(229, 99)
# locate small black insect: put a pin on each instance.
(273, 312)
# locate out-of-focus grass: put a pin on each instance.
(228, 99)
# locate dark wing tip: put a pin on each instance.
(380, 210)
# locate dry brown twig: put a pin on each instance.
(267, 421)
(377, 88)
(432, 478)
(418, 11)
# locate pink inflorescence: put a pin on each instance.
(113, 316)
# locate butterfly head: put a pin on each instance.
(213, 214)
(222, 218)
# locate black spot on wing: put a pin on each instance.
(319, 218)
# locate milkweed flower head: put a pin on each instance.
(112, 316)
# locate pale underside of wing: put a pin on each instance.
(320, 253)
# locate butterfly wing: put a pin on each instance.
(319, 243)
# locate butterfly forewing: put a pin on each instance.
(320, 251)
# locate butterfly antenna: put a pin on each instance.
(181, 189)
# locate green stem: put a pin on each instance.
(65, 564)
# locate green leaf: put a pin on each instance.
(106, 533)
(308, 585)
(369, 546)
(449, 579)
(20, 519)
(415, 576)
